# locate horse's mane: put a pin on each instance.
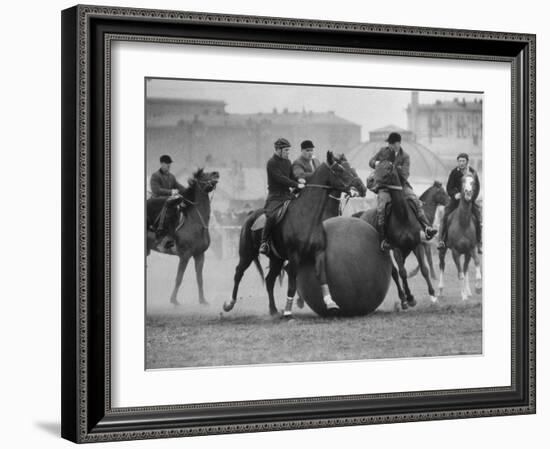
(192, 183)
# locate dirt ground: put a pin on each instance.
(192, 335)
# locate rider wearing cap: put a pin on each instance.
(306, 164)
(401, 160)
(454, 188)
(279, 182)
(165, 185)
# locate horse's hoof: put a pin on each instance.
(440, 292)
(175, 303)
(404, 305)
(300, 302)
(204, 303)
(433, 299)
(287, 317)
(273, 312)
(334, 312)
(411, 301)
(228, 307)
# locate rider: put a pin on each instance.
(279, 182)
(454, 188)
(165, 185)
(394, 153)
(306, 164)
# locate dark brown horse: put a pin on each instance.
(435, 199)
(300, 234)
(192, 239)
(461, 240)
(403, 230)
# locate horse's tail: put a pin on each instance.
(259, 267)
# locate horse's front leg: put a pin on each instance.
(395, 277)
(184, 259)
(442, 254)
(467, 289)
(321, 273)
(461, 277)
(419, 253)
(291, 270)
(478, 282)
(429, 260)
(400, 260)
(199, 264)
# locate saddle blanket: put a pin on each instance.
(259, 223)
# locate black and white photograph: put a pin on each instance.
(296, 223)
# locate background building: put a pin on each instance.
(202, 133)
(449, 128)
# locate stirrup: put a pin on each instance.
(264, 248)
(384, 245)
(430, 232)
(441, 245)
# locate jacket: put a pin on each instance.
(279, 175)
(303, 169)
(402, 162)
(454, 184)
(162, 184)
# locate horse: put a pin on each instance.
(192, 238)
(461, 240)
(300, 234)
(434, 200)
(403, 230)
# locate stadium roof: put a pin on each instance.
(425, 165)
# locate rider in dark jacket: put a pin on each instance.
(454, 188)
(401, 160)
(165, 185)
(279, 182)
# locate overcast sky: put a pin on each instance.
(369, 107)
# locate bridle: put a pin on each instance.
(202, 186)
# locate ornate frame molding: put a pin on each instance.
(80, 412)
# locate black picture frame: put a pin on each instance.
(87, 415)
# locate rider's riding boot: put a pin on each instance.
(167, 243)
(428, 230)
(266, 232)
(384, 244)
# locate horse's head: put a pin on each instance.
(440, 194)
(205, 181)
(468, 184)
(384, 175)
(356, 183)
(338, 177)
(436, 195)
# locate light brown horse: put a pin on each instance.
(434, 200)
(192, 239)
(461, 240)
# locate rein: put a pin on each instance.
(319, 186)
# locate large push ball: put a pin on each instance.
(358, 272)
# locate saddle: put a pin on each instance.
(259, 223)
(163, 213)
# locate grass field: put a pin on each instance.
(192, 335)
